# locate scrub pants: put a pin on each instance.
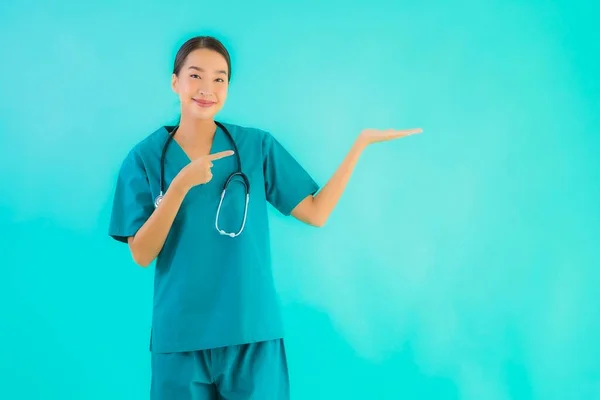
(255, 371)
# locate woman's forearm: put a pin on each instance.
(150, 238)
(327, 198)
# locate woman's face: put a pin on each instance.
(202, 84)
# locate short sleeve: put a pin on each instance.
(287, 183)
(132, 202)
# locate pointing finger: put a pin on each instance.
(219, 155)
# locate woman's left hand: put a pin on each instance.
(369, 136)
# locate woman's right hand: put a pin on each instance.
(198, 172)
(147, 243)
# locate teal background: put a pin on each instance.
(460, 264)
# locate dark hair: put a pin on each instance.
(201, 42)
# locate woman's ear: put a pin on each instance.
(174, 83)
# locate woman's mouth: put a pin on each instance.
(204, 103)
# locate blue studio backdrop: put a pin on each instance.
(462, 263)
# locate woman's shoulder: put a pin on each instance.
(149, 145)
(245, 129)
(249, 134)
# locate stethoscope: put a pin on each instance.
(239, 172)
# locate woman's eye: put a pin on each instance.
(195, 76)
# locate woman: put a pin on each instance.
(216, 325)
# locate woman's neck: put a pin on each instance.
(194, 132)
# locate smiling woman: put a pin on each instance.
(201, 76)
(217, 328)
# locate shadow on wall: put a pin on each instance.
(324, 366)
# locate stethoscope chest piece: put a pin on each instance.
(158, 200)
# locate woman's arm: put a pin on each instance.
(315, 210)
(150, 238)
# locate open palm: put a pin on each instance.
(383, 135)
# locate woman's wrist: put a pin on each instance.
(179, 185)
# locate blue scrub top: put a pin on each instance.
(212, 290)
